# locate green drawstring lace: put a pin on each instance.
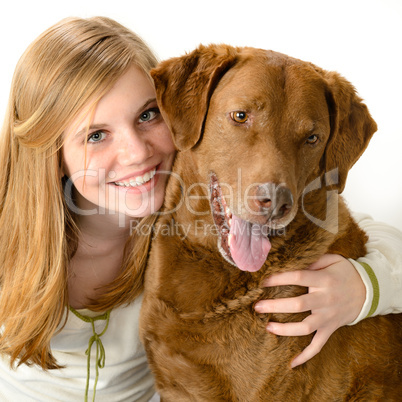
(100, 350)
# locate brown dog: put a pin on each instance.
(266, 142)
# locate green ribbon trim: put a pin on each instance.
(100, 350)
(376, 288)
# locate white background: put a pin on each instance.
(361, 39)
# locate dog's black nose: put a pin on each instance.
(274, 200)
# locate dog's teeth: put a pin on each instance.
(230, 222)
(229, 239)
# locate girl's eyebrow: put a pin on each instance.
(87, 129)
(151, 100)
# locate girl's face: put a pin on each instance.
(124, 166)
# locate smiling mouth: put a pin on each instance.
(137, 180)
(242, 243)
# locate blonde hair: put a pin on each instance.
(61, 71)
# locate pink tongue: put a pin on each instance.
(249, 247)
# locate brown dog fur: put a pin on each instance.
(203, 338)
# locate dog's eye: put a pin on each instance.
(313, 139)
(239, 117)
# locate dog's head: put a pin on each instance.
(262, 126)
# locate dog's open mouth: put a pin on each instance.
(242, 243)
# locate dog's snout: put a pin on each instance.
(274, 200)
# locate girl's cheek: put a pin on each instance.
(166, 138)
(95, 161)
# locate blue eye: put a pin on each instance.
(148, 115)
(97, 136)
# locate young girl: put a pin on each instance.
(84, 156)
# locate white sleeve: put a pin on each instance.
(380, 269)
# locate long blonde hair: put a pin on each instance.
(60, 72)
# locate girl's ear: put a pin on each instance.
(184, 86)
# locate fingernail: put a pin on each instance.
(258, 307)
(269, 327)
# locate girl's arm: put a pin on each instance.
(380, 269)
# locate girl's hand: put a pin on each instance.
(335, 297)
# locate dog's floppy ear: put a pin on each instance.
(184, 86)
(351, 127)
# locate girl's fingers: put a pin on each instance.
(307, 278)
(302, 328)
(299, 278)
(319, 340)
(335, 297)
(299, 304)
(325, 261)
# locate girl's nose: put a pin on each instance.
(134, 149)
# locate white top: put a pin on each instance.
(126, 377)
(384, 280)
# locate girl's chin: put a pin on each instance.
(144, 209)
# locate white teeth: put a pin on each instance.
(134, 182)
(137, 181)
(147, 176)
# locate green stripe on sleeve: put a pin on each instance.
(376, 287)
